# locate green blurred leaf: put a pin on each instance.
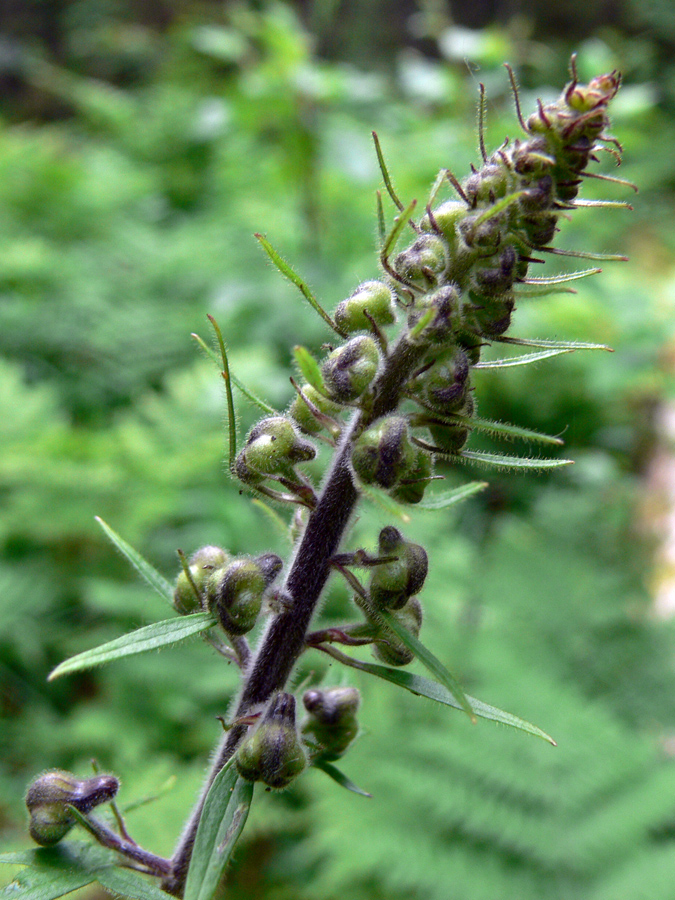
(123, 882)
(522, 360)
(506, 461)
(53, 872)
(150, 637)
(309, 367)
(222, 821)
(442, 499)
(156, 581)
(338, 776)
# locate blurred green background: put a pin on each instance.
(141, 146)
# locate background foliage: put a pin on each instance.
(141, 145)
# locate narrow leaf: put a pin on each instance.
(429, 661)
(504, 428)
(553, 345)
(295, 279)
(55, 871)
(382, 499)
(442, 499)
(150, 637)
(381, 227)
(309, 367)
(497, 208)
(523, 360)
(125, 883)
(424, 687)
(543, 291)
(265, 407)
(340, 778)
(561, 277)
(231, 420)
(156, 581)
(385, 172)
(583, 254)
(222, 821)
(400, 223)
(38, 884)
(506, 461)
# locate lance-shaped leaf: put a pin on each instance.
(425, 687)
(561, 277)
(442, 499)
(222, 821)
(147, 572)
(309, 367)
(150, 637)
(339, 777)
(265, 407)
(504, 428)
(53, 872)
(523, 360)
(552, 345)
(506, 461)
(429, 661)
(125, 883)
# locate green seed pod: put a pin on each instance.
(383, 454)
(451, 438)
(332, 720)
(392, 651)
(489, 316)
(426, 259)
(273, 753)
(411, 489)
(303, 416)
(273, 447)
(488, 184)
(393, 583)
(492, 280)
(444, 386)
(373, 297)
(201, 564)
(49, 794)
(349, 370)
(235, 592)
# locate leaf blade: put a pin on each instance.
(340, 778)
(126, 883)
(150, 637)
(443, 499)
(223, 818)
(506, 461)
(147, 572)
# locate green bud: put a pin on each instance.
(426, 259)
(445, 219)
(201, 565)
(451, 438)
(273, 447)
(332, 720)
(411, 488)
(489, 316)
(235, 592)
(393, 583)
(488, 184)
(350, 369)
(273, 753)
(392, 651)
(303, 416)
(444, 386)
(373, 297)
(48, 798)
(445, 304)
(383, 454)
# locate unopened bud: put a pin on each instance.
(201, 564)
(50, 794)
(444, 219)
(444, 386)
(383, 454)
(373, 297)
(392, 651)
(235, 592)
(426, 259)
(393, 583)
(440, 312)
(332, 723)
(303, 415)
(349, 370)
(411, 488)
(273, 753)
(273, 447)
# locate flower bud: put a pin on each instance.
(373, 297)
(350, 369)
(445, 304)
(201, 564)
(48, 798)
(273, 447)
(490, 316)
(451, 438)
(444, 386)
(332, 720)
(235, 592)
(494, 280)
(425, 259)
(445, 219)
(392, 651)
(302, 414)
(487, 185)
(393, 583)
(273, 753)
(383, 454)
(411, 488)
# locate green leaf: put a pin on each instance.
(53, 872)
(552, 345)
(222, 820)
(561, 278)
(150, 637)
(382, 499)
(429, 661)
(448, 498)
(309, 367)
(295, 279)
(126, 883)
(522, 360)
(340, 778)
(504, 428)
(156, 581)
(506, 461)
(424, 687)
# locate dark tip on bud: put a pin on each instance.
(383, 454)
(273, 752)
(50, 794)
